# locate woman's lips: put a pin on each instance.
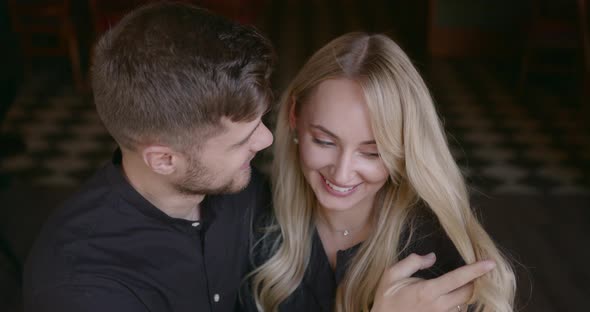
(337, 190)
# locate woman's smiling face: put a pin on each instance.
(337, 149)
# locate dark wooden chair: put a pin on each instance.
(584, 16)
(106, 13)
(45, 29)
(243, 11)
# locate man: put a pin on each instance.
(164, 226)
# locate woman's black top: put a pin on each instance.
(318, 288)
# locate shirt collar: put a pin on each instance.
(320, 278)
(121, 185)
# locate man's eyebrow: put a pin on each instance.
(249, 135)
(328, 132)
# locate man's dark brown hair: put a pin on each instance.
(168, 72)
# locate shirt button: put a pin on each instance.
(195, 224)
(216, 298)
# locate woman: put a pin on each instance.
(363, 177)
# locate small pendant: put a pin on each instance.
(345, 233)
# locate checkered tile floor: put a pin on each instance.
(507, 144)
(64, 138)
(502, 145)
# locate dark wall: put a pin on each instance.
(481, 14)
(411, 20)
(9, 61)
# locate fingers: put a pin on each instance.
(457, 297)
(457, 278)
(408, 266)
(458, 308)
(398, 277)
(398, 285)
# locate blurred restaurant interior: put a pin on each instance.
(511, 81)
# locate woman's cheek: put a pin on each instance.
(314, 157)
(375, 171)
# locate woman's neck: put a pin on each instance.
(341, 221)
(340, 230)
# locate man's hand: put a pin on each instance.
(399, 292)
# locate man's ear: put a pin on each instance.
(292, 116)
(161, 159)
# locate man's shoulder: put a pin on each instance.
(85, 203)
(68, 226)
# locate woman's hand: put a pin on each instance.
(399, 292)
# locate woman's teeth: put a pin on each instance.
(338, 188)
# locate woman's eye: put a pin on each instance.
(372, 155)
(322, 143)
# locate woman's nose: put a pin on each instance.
(343, 169)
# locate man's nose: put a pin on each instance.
(263, 138)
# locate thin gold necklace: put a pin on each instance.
(346, 232)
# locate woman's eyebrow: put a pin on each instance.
(328, 132)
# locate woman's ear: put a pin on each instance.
(292, 117)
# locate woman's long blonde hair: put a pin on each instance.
(412, 144)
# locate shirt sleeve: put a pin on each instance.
(106, 296)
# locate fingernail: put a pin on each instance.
(489, 264)
(430, 256)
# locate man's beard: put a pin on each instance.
(198, 179)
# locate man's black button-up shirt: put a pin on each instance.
(109, 249)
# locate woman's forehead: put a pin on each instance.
(338, 106)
